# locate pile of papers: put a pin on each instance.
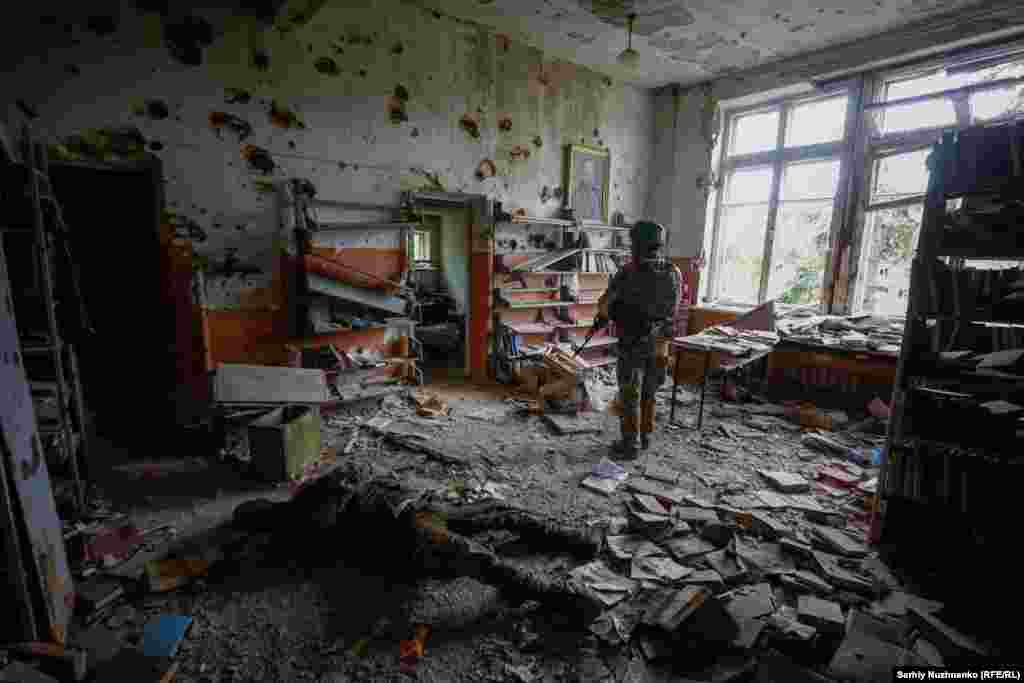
(731, 341)
(858, 333)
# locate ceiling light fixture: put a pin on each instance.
(629, 57)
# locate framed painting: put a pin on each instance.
(587, 179)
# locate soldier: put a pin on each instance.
(641, 300)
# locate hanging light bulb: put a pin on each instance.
(629, 58)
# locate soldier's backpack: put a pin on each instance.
(645, 296)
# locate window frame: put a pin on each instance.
(845, 277)
(876, 145)
(777, 158)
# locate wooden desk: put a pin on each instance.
(859, 367)
(712, 360)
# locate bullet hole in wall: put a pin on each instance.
(283, 117)
(538, 141)
(505, 124)
(327, 66)
(236, 96)
(362, 73)
(258, 158)
(156, 145)
(291, 144)
(342, 165)
(398, 48)
(261, 60)
(415, 132)
(73, 69)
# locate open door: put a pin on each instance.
(440, 256)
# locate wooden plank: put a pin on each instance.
(268, 384)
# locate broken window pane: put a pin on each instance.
(741, 234)
(898, 176)
(994, 104)
(815, 122)
(799, 251)
(889, 243)
(754, 133)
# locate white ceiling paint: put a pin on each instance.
(690, 41)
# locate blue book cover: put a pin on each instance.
(163, 635)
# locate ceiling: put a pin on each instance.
(688, 41)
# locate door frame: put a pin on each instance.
(480, 238)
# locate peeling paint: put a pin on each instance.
(239, 126)
(519, 153)
(486, 169)
(237, 96)
(156, 110)
(258, 159)
(471, 124)
(651, 17)
(283, 117)
(261, 60)
(538, 141)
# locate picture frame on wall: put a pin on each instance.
(587, 181)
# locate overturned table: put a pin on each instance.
(713, 354)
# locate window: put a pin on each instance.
(422, 248)
(781, 165)
(774, 220)
(900, 139)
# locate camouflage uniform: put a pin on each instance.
(641, 370)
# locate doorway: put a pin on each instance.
(440, 264)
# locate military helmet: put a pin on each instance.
(647, 235)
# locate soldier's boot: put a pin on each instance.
(626, 446)
(647, 412)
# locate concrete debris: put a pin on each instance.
(751, 602)
(658, 490)
(660, 473)
(833, 569)
(766, 525)
(954, 645)
(801, 580)
(730, 567)
(837, 541)
(785, 621)
(628, 546)
(824, 615)
(603, 583)
(695, 515)
(689, 547)
(606, 477)
(786, 482)
(658, 569)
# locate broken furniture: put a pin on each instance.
(284, 441)
(371, 285)
(723, 349)
(951, 469)
(837, 369)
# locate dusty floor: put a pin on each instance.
(320, 609)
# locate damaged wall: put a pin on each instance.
(365, 98)
(686, 127)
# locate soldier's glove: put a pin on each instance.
(600, 322)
